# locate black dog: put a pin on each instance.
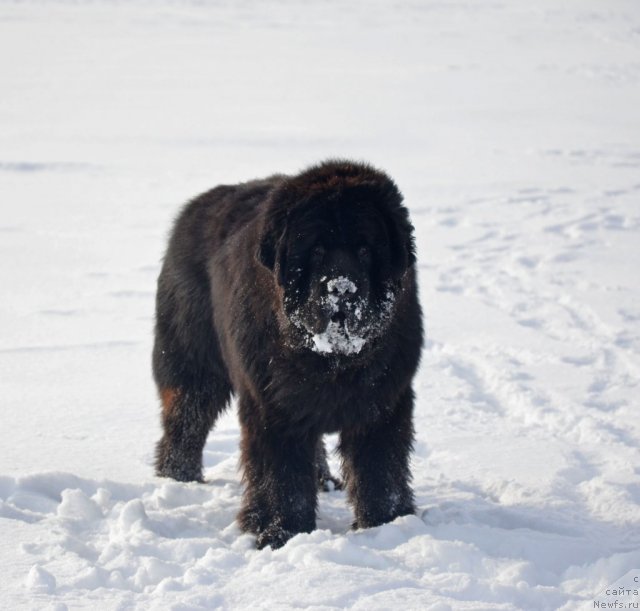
(298, 295)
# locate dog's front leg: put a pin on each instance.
(279, 474)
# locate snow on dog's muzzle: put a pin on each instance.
(344, 309)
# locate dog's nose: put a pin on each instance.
(339, 318)
(341, 286)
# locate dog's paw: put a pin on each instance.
(273, 536)
(327, 483)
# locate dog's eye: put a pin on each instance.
(317, 254)
(364, 254)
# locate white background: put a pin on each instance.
(514, 132)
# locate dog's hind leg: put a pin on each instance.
(326, 481)
(188, 414)
(192, 380)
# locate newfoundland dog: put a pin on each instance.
(297, 294)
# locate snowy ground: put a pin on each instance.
(514, 131)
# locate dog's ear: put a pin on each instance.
(272, 252)
(266, 253)
(401, 240)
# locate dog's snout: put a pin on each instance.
(339, 318)
(341, 287)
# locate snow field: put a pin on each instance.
(511, 128)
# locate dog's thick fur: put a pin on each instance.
(298, 295)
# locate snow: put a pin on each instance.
(338, 338)
(512, 130)
(341, 285)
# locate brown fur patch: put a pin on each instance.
(168, 397)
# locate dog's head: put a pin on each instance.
(338, 242)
